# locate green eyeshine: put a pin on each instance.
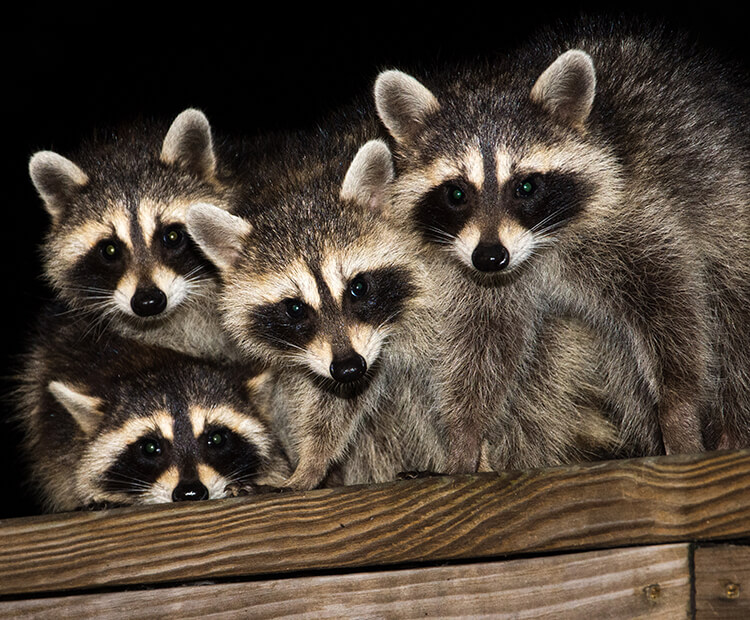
(454, 195)
(151, 447)
(295, 309)
(215, 439)
(358, 288)
(525, 188)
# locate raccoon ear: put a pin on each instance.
(188, 143)
(83, 408)
(55, 178)
(566, 88)
(218, 233)
(403, 103)
(368, 176)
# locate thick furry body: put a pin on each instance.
(117, 251)
(333, 299)
(610, 185)
(111, 421)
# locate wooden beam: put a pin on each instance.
(722, 582)
(616, 583)
(600, 505)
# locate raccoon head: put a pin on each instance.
(320, 288)
(144, 447)
(494, 175)
(117, 244)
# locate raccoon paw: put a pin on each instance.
(304, 480)
(237, 489)
(92, 506)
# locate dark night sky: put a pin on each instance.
(66, 74)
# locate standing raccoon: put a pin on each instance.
(117, 249)
(600, 174)
(110, 421)
(325, 291)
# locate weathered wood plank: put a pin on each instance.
(617, 503)
(722, 582)
(645, 582)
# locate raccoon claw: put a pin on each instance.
(414, 475)
(95, 506)
(251, 488)
(236, 490)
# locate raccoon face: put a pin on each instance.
(118, 246)
(332, 319)
(497, 187)
(327, 306)
(167, 456)
(494, 229)
(131, 270)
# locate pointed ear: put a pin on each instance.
(188, 144)
(403, 103)
(566, 88)
(218, 233)
(56, 179)
(83, 408)
(368, 176)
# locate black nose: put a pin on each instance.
(148, 301)
(189, 491)
(490, 257)
(349, 368)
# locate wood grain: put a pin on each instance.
(646, 582)
(601, 505)
(722, 582)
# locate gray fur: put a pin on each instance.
(189, 144)
(567, 88)
(77, 387)
(384, 423)
(138, 180)
(56, 178)
(653, 269)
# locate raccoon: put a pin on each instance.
(577, 177)
(556, 413)
(109, 421)
(321, 288)
(117, 249)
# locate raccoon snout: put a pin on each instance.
(349, 368)
(189, 491)
(148, 301)
(489, 257)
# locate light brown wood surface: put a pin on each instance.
(722, 582)
(644, 582)
(596, 506)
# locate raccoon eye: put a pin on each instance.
(109, 249)
(296, 309)
(216, 439)
(150, 447)
(526, 188)
(358, 288)
(173, 237)
(455, 196)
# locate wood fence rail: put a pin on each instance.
(662, 505)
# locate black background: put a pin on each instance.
(65, 74)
